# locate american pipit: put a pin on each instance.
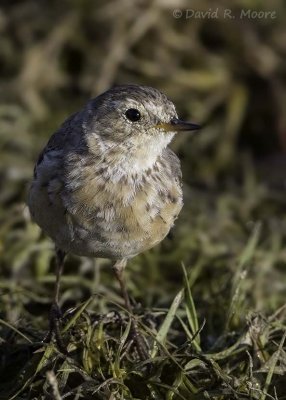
(106, 184)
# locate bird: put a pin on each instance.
(107, 185)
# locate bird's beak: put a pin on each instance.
(177, 125)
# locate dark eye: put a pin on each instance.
(133, 115)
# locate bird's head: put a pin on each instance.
(139, 121)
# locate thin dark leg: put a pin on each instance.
(118, 268)
(55, 312)
(60, 258)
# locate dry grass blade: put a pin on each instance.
(15, 330)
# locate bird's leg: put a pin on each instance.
(55, 312)
(60, 258)
(118, 269)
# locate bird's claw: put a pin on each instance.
(54, 330)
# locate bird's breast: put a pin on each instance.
(134, 213)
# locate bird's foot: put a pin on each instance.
(54, 330)
(139, 342)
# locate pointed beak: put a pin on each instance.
(178, 125)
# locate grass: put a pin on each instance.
(213, 334)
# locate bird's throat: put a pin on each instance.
(126, 160)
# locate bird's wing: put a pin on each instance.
(58, 141)
(45, 194)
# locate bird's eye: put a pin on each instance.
(133, 115)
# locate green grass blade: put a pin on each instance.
(191, 311)
(75, 317)
(272, 367)
(240, 274)
(163, 331)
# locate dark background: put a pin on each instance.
(227, 74)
